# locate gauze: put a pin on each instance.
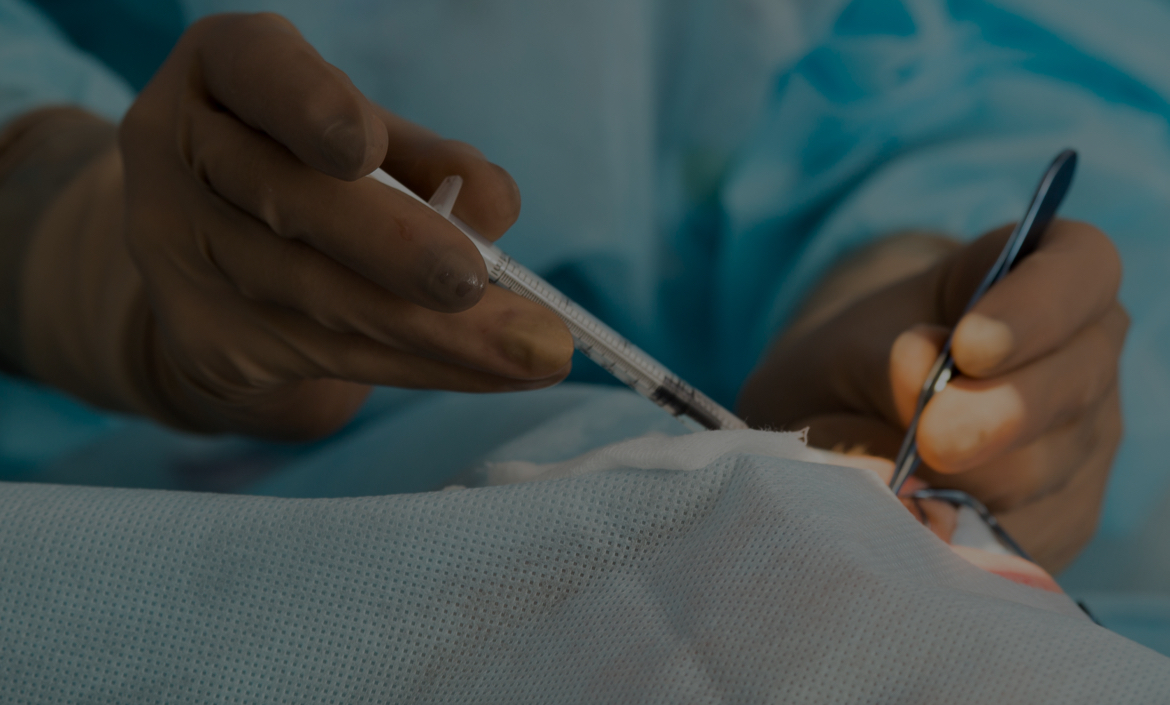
(749, 579)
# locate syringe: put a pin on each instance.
(597, 341)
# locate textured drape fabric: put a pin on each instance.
(751, 579)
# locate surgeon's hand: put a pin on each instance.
(1033, 424)
(228, 268)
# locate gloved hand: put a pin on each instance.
(1033, 424)
(227, 268)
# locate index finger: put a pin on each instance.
(262, 70)
(489, 200)
(375, 231)
(1070, 281)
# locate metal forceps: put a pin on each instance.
(1023, 241)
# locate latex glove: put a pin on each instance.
(1033, 424)
(227, 268)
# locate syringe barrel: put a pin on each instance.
(596, 340)
(605, 346)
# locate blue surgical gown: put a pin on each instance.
(689, 169)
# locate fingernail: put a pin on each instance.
(537, 346)
(456, 283)
(982, 343)
(345, 145)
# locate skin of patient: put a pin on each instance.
(226, 268)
